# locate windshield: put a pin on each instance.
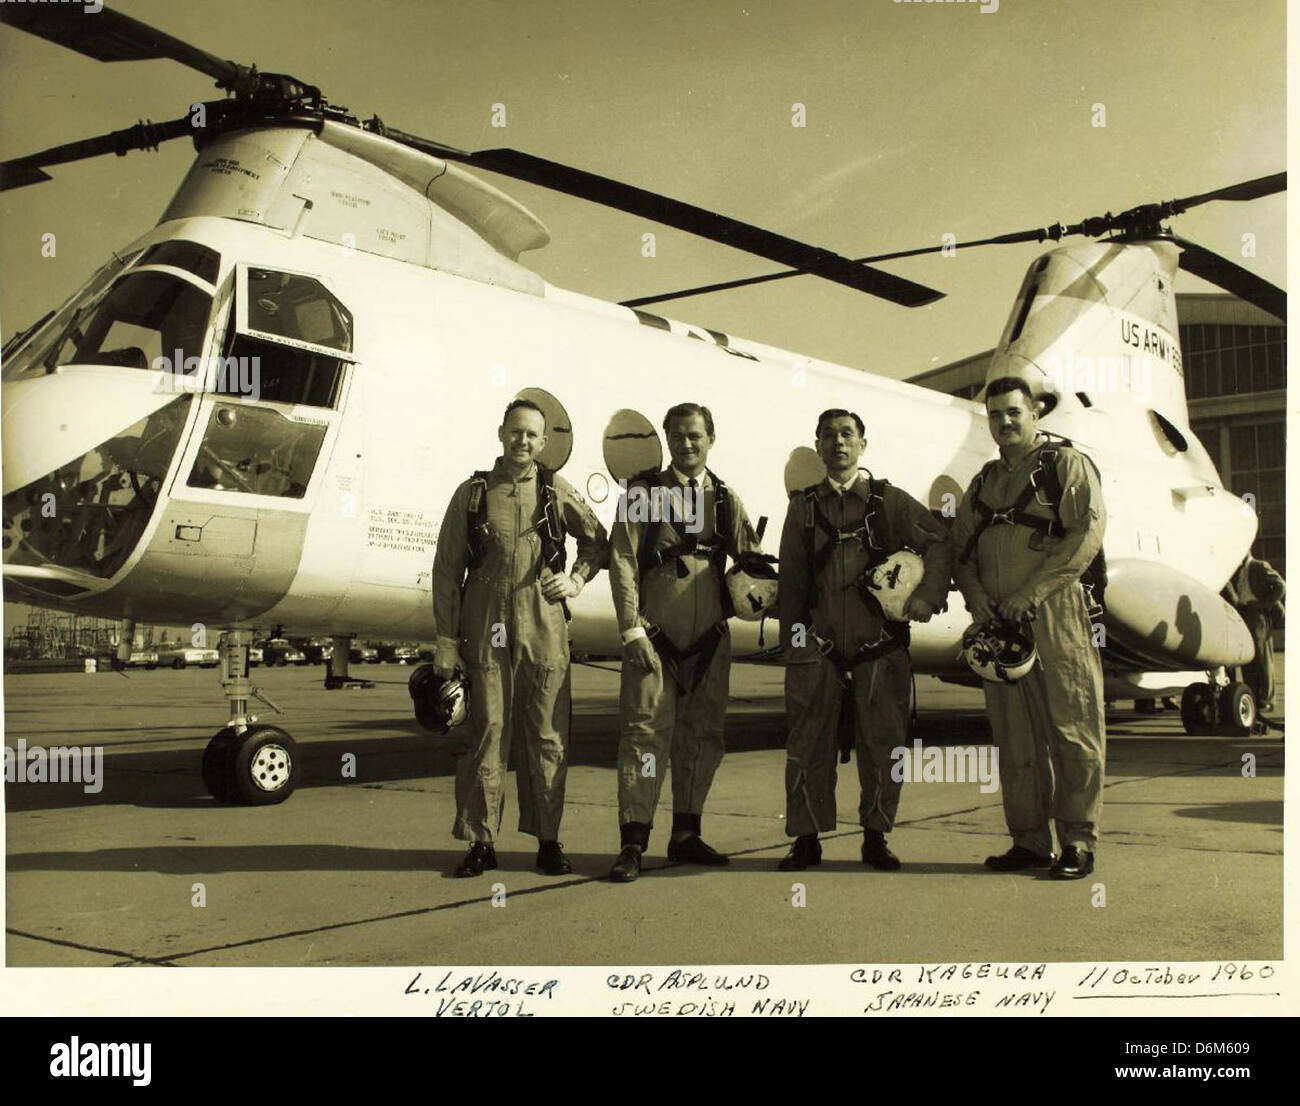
(90, 513)
(144, 316)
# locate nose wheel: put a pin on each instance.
(258, 767)
(247, 763)
(1228, 711)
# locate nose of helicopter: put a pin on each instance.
(50, 421)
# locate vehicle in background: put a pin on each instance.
(393, 652)
(143, 658)
(317, 650)
(179, 655)
(363, 654)
(279, 651)
(254, 655)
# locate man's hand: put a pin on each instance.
(641, 655)
(446, 656)
(981, 610)
(918, 609)
(1015, 607)
(558, 587)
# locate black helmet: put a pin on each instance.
(440, 702)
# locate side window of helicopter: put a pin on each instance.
(289, 332)
(257, 451)
(290, 346)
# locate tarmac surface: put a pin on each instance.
(355, 871)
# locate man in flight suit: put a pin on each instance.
(847, 669)
(665, 573)
(499, 588)
(1257, 591)
(1050, 726)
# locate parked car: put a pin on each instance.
(278, 651)
(363, 654)
(406, 654)
(179, 655)
(392, 652)
(143, 658)
(254, 655)
(317, 650)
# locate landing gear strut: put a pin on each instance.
(336, 668)
(247, 763)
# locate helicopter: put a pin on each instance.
(255, 413)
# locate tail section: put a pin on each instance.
(1095, 325)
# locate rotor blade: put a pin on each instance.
(683, 216)
(111, 36)
(1247, 190)
(28, 170)
(1040, 234)
(1231, 277)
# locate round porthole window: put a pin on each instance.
(631, 445)
(559, 430)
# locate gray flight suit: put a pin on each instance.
(664, 721)
(516, 650)
(834, 607)
(1050, 726)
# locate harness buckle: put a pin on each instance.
(1007, 516)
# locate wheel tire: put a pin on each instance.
(1197, 710)
(1237, 711)
(178, 663)
(280, 662)
(266, 766)
(218, 766)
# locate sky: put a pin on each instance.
(921, 120)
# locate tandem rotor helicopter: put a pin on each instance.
(376, 283)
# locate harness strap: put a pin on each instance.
(703, 647)
(1043, 477)
(866, 532)
(901, 638)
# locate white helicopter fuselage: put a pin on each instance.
(343, 542)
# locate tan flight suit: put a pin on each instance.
(834, 608)
(1050, 726)
(673, 718)
(516, 650)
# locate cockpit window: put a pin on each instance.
(299, 308)
(203, 262)
(145, 316)
(90, 513)
(29, 358)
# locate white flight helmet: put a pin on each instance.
(999, 652)
(893, 581)
(752, 584)
(440, 703)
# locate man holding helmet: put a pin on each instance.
(1029, 527)
(847, 667)
(666, 575)
(499, 591)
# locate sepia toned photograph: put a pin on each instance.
(683, 490)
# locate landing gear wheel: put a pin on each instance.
(256, 768)
(1237, 710)
(1197, 710)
